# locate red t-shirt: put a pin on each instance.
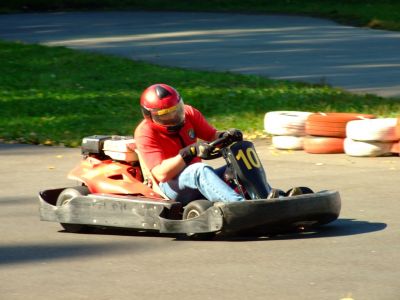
(156, 146)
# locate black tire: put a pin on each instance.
(64, 197)
(193, 210)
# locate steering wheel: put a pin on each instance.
(216, 146)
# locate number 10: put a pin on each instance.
(250, 159)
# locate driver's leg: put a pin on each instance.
(199, 178)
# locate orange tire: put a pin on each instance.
(398, 128)
(323, 145)
(328, 131)
(331, 124)
(396, 148)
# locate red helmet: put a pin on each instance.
(162, 104)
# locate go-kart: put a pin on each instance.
(117, 190)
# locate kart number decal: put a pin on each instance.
(250, 158)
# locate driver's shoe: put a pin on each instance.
(298, 190)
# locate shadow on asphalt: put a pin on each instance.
(18, 149)
(30, 149)
(17, 200)
(19, 254)
(341, 227)
(123, 232)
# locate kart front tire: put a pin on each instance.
(193, 210)
(66, 196)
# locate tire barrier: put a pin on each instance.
(380, 130)
(287, 142)
(363, 149)
(323, 145)
(285, 122)
(355, 134)
(331, 124)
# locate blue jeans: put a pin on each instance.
(199, 181)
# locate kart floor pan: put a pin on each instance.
(272, 215)
(149, 214)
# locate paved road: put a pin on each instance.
(357, 256)
(284, 47)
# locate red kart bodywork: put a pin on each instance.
(111, 177)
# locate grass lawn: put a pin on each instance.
(55, 95)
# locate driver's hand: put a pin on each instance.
(199, 149)
(202, 149)
(233, 133)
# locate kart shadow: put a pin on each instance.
(340, 227)
(114, 231)
(29, 253)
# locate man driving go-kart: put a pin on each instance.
(167, 140)
(157, 181)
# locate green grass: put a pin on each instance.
(383, 14)
(55, 96)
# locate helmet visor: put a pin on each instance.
(171, 116)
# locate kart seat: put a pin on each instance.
(148, 177)
(121, 148)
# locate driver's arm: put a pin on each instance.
(168, 168)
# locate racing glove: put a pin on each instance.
(234, 134)
(199, 149)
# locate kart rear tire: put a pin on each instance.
(64, 197)
(193, 210)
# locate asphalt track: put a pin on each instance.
(356, 257)
(284, 47)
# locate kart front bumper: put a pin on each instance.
(146, 214)
(265, 215)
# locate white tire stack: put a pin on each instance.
(374, 137)
(287, 128)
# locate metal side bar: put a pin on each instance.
(104, 210)
(209, 221)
